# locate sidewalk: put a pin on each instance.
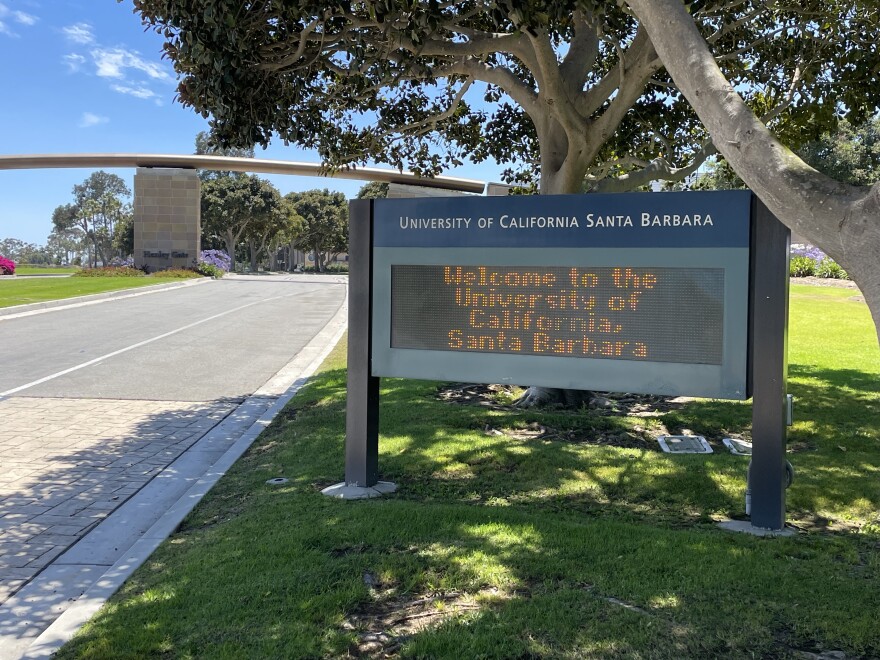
(94, 486)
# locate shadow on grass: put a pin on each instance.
(566, 549)
(545, 586)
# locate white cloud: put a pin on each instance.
(91, 119)
(16, 16)
(24, 19)
(138, 92)
(74, 62)
(79, 33)
(112, 62)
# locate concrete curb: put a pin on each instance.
(93, 299)
(303, 365)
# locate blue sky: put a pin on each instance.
(84, 77)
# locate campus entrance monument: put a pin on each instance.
(167, 227)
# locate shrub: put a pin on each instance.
(829, 268)
(217, 258)
(7, 266)
(179, 273)
(800, 266)
(209, 270)
(110, 271)
(119, 261)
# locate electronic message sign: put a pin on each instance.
(645, 292)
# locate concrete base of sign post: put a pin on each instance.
(346, 491)
(746, 527)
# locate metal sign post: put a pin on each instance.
(362, 407)
(769, 367)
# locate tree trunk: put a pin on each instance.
(230, 242)
(561, 174)
(836, 217)
(252, 249)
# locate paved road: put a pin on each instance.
(222, 339)
(96, 401)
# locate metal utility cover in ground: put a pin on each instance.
(738, 447)
(684, 444)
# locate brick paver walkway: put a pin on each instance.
(66, 464)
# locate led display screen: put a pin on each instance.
(612, 313)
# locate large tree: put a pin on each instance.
(842, 219)
(570, 90)
(571, 94)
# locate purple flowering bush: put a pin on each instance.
(7, 266)
(807, 260)
(216, 258)
(213, 263)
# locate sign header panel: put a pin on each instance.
(641, 220)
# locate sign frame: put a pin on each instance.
(765, 370)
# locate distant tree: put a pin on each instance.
(11, 248)
(324, 229)
(98, 210)
(66, 225)
(231, 203)
(206, 146)
(22, 252)
(65, 245)
(373, 190)
(850, 154)
(123, 239)
(263, 228)
(290, 226)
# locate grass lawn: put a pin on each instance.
(26, 291)
(530, 534)
(46, 270)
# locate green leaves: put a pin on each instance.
(376, 81)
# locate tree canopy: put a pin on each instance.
(324, 226)
(231, 204)
(561, 90)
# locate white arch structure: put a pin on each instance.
(166, 192)
(233, 164)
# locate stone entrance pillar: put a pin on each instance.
(167, 218)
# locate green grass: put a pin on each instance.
(511, 546)
(45, 270)
(26, 291)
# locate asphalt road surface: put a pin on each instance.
(219, 340)
(116, 413)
